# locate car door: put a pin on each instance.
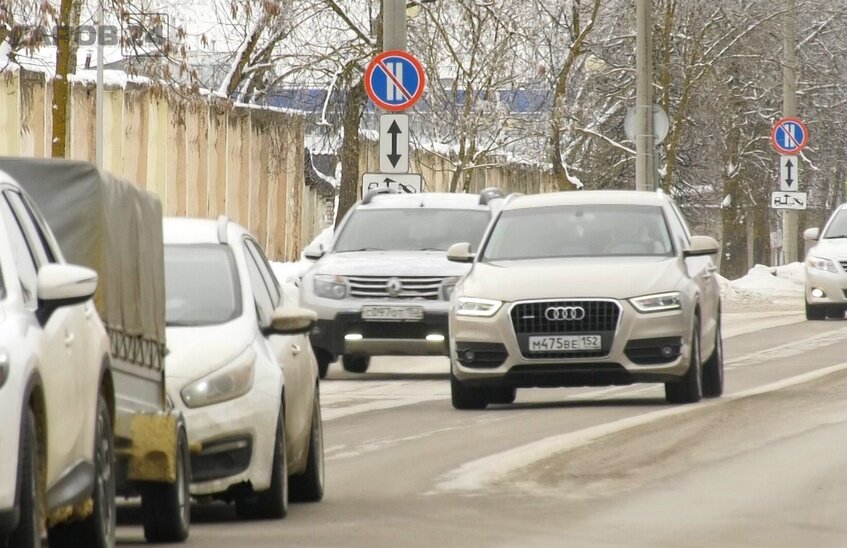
(54, 340)
(292, 351)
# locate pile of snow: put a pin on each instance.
(765, 284)
(289, 273)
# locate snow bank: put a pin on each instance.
(764, 284)
(289, 273)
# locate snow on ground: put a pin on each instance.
(289, 273)
(765, 284)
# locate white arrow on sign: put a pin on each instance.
(407, 183)
(789, 177)
(394, 143)
(789, 200)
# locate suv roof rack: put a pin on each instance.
(489, 194)
(371, 194)
(223, 220)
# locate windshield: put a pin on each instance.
(411, 229)
(838, 226)
(201, 285)
(579, 231)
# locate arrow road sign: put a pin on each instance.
(394, 143)
(789, 136)
(788, 173)
(394, 80)
(788, 200)
(408, 183)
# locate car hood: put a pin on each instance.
(389, 263)
(830, 249)
(196, 351)
(612, 277)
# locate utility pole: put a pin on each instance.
(789, 108)
(98, 96)
(394, 25)
(644, 141)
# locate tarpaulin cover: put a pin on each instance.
(115, 228)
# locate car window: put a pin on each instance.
(411, 229)
(260, 290)
(201, 285)
(265, 269)
(837, 227)
(24, 207)
(590, 230)
(24, 259)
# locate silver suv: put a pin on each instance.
(383, 288)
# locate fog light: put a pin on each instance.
(353, 337)
(667, 351)
(818, 293)
(468, 356)
(435, 337)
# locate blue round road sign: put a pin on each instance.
(394, 80)
(789, 136)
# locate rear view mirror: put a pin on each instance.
(63, 285)
(811, 234)
(292, 320)
(702, 245)
(314, 252)
(460, 253)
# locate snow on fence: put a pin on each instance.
(202, 155)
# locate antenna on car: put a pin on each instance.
(489, 194)
(371, 194)
(223, 220)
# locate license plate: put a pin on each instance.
(564, 343)
(392, 313)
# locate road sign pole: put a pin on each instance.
(393, 25)
(789, 108)
(644, 145)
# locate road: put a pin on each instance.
(762, 466)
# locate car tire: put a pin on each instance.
(503, 395)
(466, 397)
(273, 502)
(713, 373)
(356, 364)
(31, 493)
(815, 312)
(309, 486)
(688, 389)
(323, 358)
(166, 507)
(98, 529)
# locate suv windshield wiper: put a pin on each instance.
(360, 249)
(837, 236)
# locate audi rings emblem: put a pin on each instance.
(565, 313)
(394, 286)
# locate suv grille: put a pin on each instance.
(410, 287)
(600, 318)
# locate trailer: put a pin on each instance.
(115, 228)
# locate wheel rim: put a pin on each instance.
(105, 481)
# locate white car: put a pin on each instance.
(56, 448)
(826, 269)
(242, 371)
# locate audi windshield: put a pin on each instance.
(579, 231)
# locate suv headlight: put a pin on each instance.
(447, 287)
(483, 308)
(330, 287)
(820, 263)
(226, 383)
(659, 302)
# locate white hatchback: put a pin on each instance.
(242, 371)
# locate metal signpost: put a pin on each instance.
(789, 136)
(394, 143)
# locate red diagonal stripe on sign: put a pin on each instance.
(397, 83)
(788, 133)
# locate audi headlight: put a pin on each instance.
(820, 263)
(330, 287)
(226, 383)
(447, 287)
(657, 303)
(483, 308)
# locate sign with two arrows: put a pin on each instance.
(394, 143)
(789, 179)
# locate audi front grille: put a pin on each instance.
(601, 317)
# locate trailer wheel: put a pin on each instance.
(166, 507)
